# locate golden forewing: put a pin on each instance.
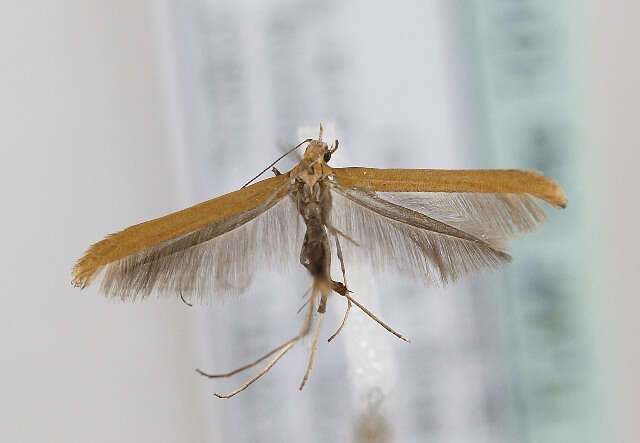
(154, 232)
(216, 259)
(501, 181)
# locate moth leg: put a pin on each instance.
(345, 292)
(185, 301)
(339, 254)
(344, 279)
(302, 307)
(313, 351)
(380, 322)
(242, 368)
(305, 303)
(275, 171)
(344, 321)
(335, 231)
(281, 350)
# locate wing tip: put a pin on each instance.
(559, 198)
(83, 273)
(554, 194)
(78, 280)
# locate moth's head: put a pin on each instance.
(317, 150)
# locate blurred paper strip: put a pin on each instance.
(526, 112)
(385, 74)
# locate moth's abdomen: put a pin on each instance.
(315, 254)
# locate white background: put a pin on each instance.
(90, 138)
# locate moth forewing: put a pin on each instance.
(492, 181)
(171, 251)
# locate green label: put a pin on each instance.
(525, 117)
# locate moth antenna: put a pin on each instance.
(277, 160)
(320, 134)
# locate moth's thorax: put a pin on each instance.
(312, 167)
(314, 201)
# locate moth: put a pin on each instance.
(431, 225)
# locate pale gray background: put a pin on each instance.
(95, 126)
(256, 79)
